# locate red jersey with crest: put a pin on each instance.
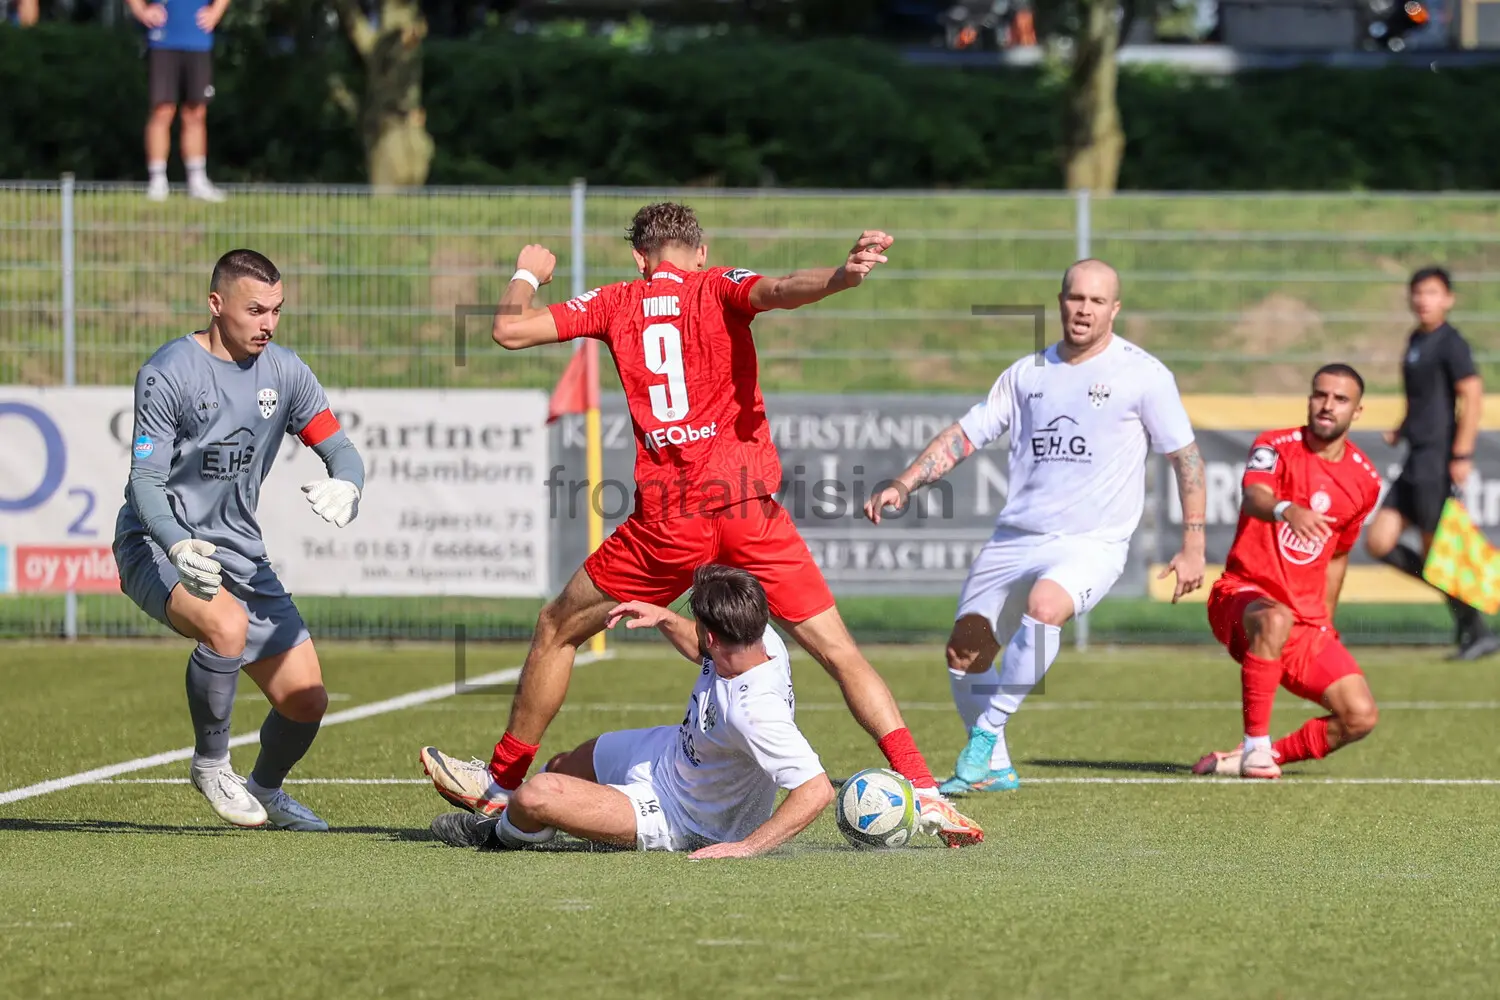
(681, 343)
(1268, 555)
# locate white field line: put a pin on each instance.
(1043, 705)
(409, 700)
(1207, 782)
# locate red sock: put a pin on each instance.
(511, 760)
(1308, 743)
(1259, 680)
(905, 759)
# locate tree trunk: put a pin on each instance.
(393, 125)
(1095, 142)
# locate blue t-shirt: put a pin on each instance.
(181, 32)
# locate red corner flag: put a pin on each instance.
(578, 389)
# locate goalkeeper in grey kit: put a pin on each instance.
(211, 410)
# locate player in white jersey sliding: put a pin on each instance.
(708, 785)
(1081, 416)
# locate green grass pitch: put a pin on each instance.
(1111, 872)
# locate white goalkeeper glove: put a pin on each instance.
(334, 500)
(199, 574)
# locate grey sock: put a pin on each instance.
(282, 743)
(211, 682)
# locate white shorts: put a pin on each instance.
(1002, 575)
(624, 760)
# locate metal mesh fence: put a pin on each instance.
(1237, 293)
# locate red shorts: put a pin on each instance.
(1313, 657)
(654, 561)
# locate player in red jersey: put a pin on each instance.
(1307, 493)
(706, 477)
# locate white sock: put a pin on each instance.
(197, 169)
(1257, 743)
(1027, 658)
(209, 763)
(512, 837)
(971, 693)
(157, 169)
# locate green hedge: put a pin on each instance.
(510, 110)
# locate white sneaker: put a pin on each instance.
(287, 813)
(227, 795)
(1260, 762)
(158, 189)
(204, 190)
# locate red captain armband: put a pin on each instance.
(319, 429)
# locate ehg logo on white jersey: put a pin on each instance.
(267, 399)
(1059, 441)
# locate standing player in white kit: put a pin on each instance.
(1081, 416)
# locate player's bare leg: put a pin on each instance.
(1354, 717)
(220, 625)
(567, 622)
(576, 763)
(582, 808)
(1267, 626)
(971, 651)
(827, 640)
(565, 796)
(293, 683)
(984, 763)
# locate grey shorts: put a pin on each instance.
(147, 578)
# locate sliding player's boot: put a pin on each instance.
(463, 829)
(465, 783)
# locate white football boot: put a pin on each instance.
(227, 795)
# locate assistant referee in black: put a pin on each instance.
(1444, 395)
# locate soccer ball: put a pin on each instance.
(877, 808)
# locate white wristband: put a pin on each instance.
(524, 275)
(1279, 511)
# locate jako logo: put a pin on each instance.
(679, 434)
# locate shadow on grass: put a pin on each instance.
(1139, 766)
(115, 826)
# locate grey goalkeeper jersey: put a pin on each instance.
(212, 428)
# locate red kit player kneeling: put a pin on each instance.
(1307, 492)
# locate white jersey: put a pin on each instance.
(737, 744)
(1079, 434)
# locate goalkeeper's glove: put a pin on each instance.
(334, 500)
(199, 574)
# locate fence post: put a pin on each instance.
(580, 189)
(70, 355)
(1083, 230)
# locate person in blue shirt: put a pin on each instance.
(180, 42)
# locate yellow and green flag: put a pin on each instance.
(1462, 563)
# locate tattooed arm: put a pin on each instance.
(942, 453)
(1192, 490)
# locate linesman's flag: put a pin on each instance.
(578, 389)
(1462, 562)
